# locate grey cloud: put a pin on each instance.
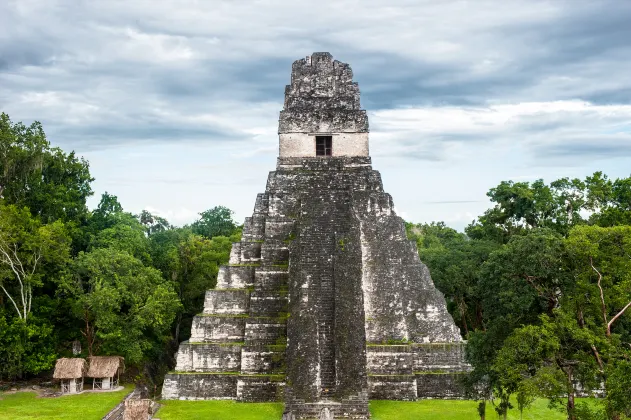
(86, 137)
(581, 52)
(596, 147)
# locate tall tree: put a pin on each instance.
(52, 184)
(26, 247)
(126, 307)
(192, 263)
(215, 222)
(455, 262)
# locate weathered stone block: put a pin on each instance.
(199, 386)
(217, 329)
(226, 302)
(204, 357)
(275, 253)
(260, 388)
(265, 331)
(235, 253)
(443, 357)
(393, 387)
(282, 205)
(263, 359)
(261, 205)
(254, 228)
(439, 385)
(235, 277)
(268, 303)
(389, 360)
(271, 278)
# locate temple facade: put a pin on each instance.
(325, 303)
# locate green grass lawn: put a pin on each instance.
(381, 410)
(219, 410)
(88, 406)
(25, 405)
(453, 410)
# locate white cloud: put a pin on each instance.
(176, 103)
(561, 129)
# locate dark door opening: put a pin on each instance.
(324, 145)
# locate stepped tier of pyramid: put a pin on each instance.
(324, 303)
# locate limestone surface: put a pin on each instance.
(325, 303)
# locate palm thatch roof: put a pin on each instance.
(69, 368)
(105, 366)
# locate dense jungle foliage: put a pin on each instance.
(540, 284)
(116, 282)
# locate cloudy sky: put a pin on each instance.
(175, 103)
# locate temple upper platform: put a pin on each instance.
(322, 115)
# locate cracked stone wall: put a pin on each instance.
(324, 303)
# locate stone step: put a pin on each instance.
(227, 301)
(254, 228)
(264, 330)
(236, 276)
(199, 386)
(268, 303)
(281, 204)
(392, 387)
(262, 203)
(274, 252)
(206, 357)
(226, 386)
(278, 228)
(245, 252)
(235, 253)
(260, 388)
(443, 357)
(215, 329)
(389, 360)
(439, 385)
(270, 279)
(348, 408)
(263, 359)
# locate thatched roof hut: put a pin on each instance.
(105, 366)
(69, 368)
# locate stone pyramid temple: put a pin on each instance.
(325, 303)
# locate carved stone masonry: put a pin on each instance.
(324, 303)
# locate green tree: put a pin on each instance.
(53, 185)
(192, 263)
(455, 262)
(111, 227)
(610, 201)
(524, 352)
(126, 307)
(215, 222)
(523, 206)
(27, 249)
(25, 348)
(602, 296)
(518, 282)
(153, 223)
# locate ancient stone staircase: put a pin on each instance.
(237, 345)
(324, 303)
